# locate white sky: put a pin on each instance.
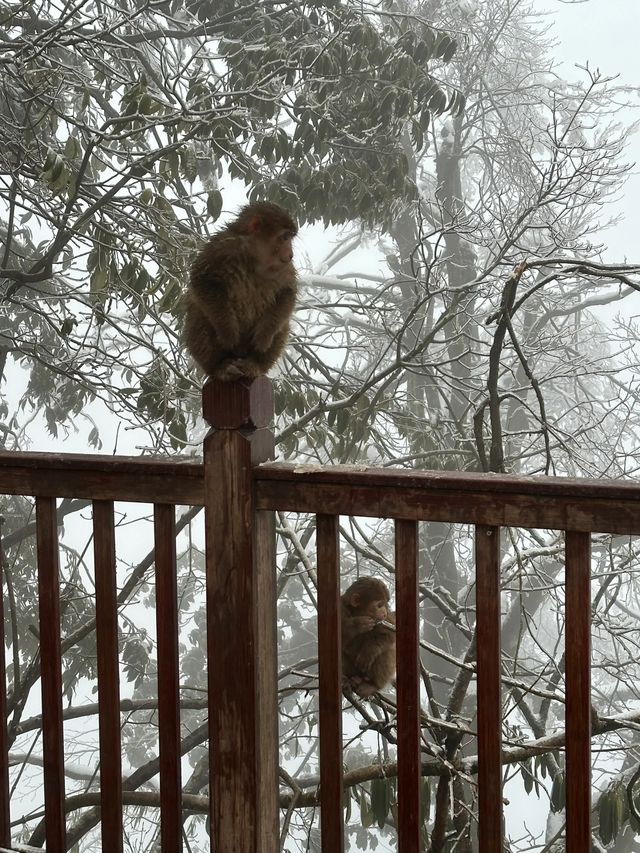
(606, 34)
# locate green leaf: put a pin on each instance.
(50, 159)
(214, 204)
(346, 803)
(444, 46)
(448, 53)
(380, 800)
(178, 431)
(366, 813)
(98, 282)
(438, 102)
(558, 793)
(72, 148)
(606, 818)
(189, 164)
(425, 800)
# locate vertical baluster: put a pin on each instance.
(408, 685)
(108, 676)
(5, 811)
(267, 680)
(489, 692)
(578, 690)
(330, 685)
(168, 674)
(50, 661)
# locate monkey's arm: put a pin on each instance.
(214, 278)
(274, 320)
(216, 308)
(353, 626)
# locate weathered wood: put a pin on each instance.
(408, 687)
(70, 475)
(501, 500)
(240, 748)
(5, 811)
(108, 676)
(241, 610)
(167, 629)
(244, 404)
(489, 692)
(330, 683)
(489, 500)
(264, 538)
(578, 690)
(51, 672)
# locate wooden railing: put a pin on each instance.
(239, 496)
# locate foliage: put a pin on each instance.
(472, 341)
(121, 128)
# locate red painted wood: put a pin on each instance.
(555, 502)
(108, 676)
(5, 812)
(408, 687)
(126, 478)
(267, 687)
(242, 743)
(489, 690)
(495, 500)
(578, 690)
(168, 678)
(51, 673)
(330, 683)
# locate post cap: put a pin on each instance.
(244, 403)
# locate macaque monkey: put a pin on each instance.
(368, 645)
(241, 294)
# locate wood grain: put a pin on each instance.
(489, 690)
(243, 745)
(489, 500)
(330, 686)
(167, 628)
(5, 811)
(52, 732)
(578, 690)
(108, 676)
(71, 475)
(408, 686)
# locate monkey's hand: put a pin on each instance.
(262, 338)
(361, 624)
(365, 689)
(231, 369)
(237, 368)
(273, 320)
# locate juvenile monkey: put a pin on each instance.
(368, 646)
(241, 294)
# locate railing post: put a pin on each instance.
(241, 621)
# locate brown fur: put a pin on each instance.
(368, 647)
(241, 294)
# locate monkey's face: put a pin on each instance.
(377, 610)
(274, 253)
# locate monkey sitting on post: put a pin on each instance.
(241, 294)
(368, 645)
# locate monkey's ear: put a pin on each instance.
(254, 225)
(354, 600)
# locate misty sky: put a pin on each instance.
(605, 34)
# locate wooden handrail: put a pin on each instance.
(112, 478)
(606, 506)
